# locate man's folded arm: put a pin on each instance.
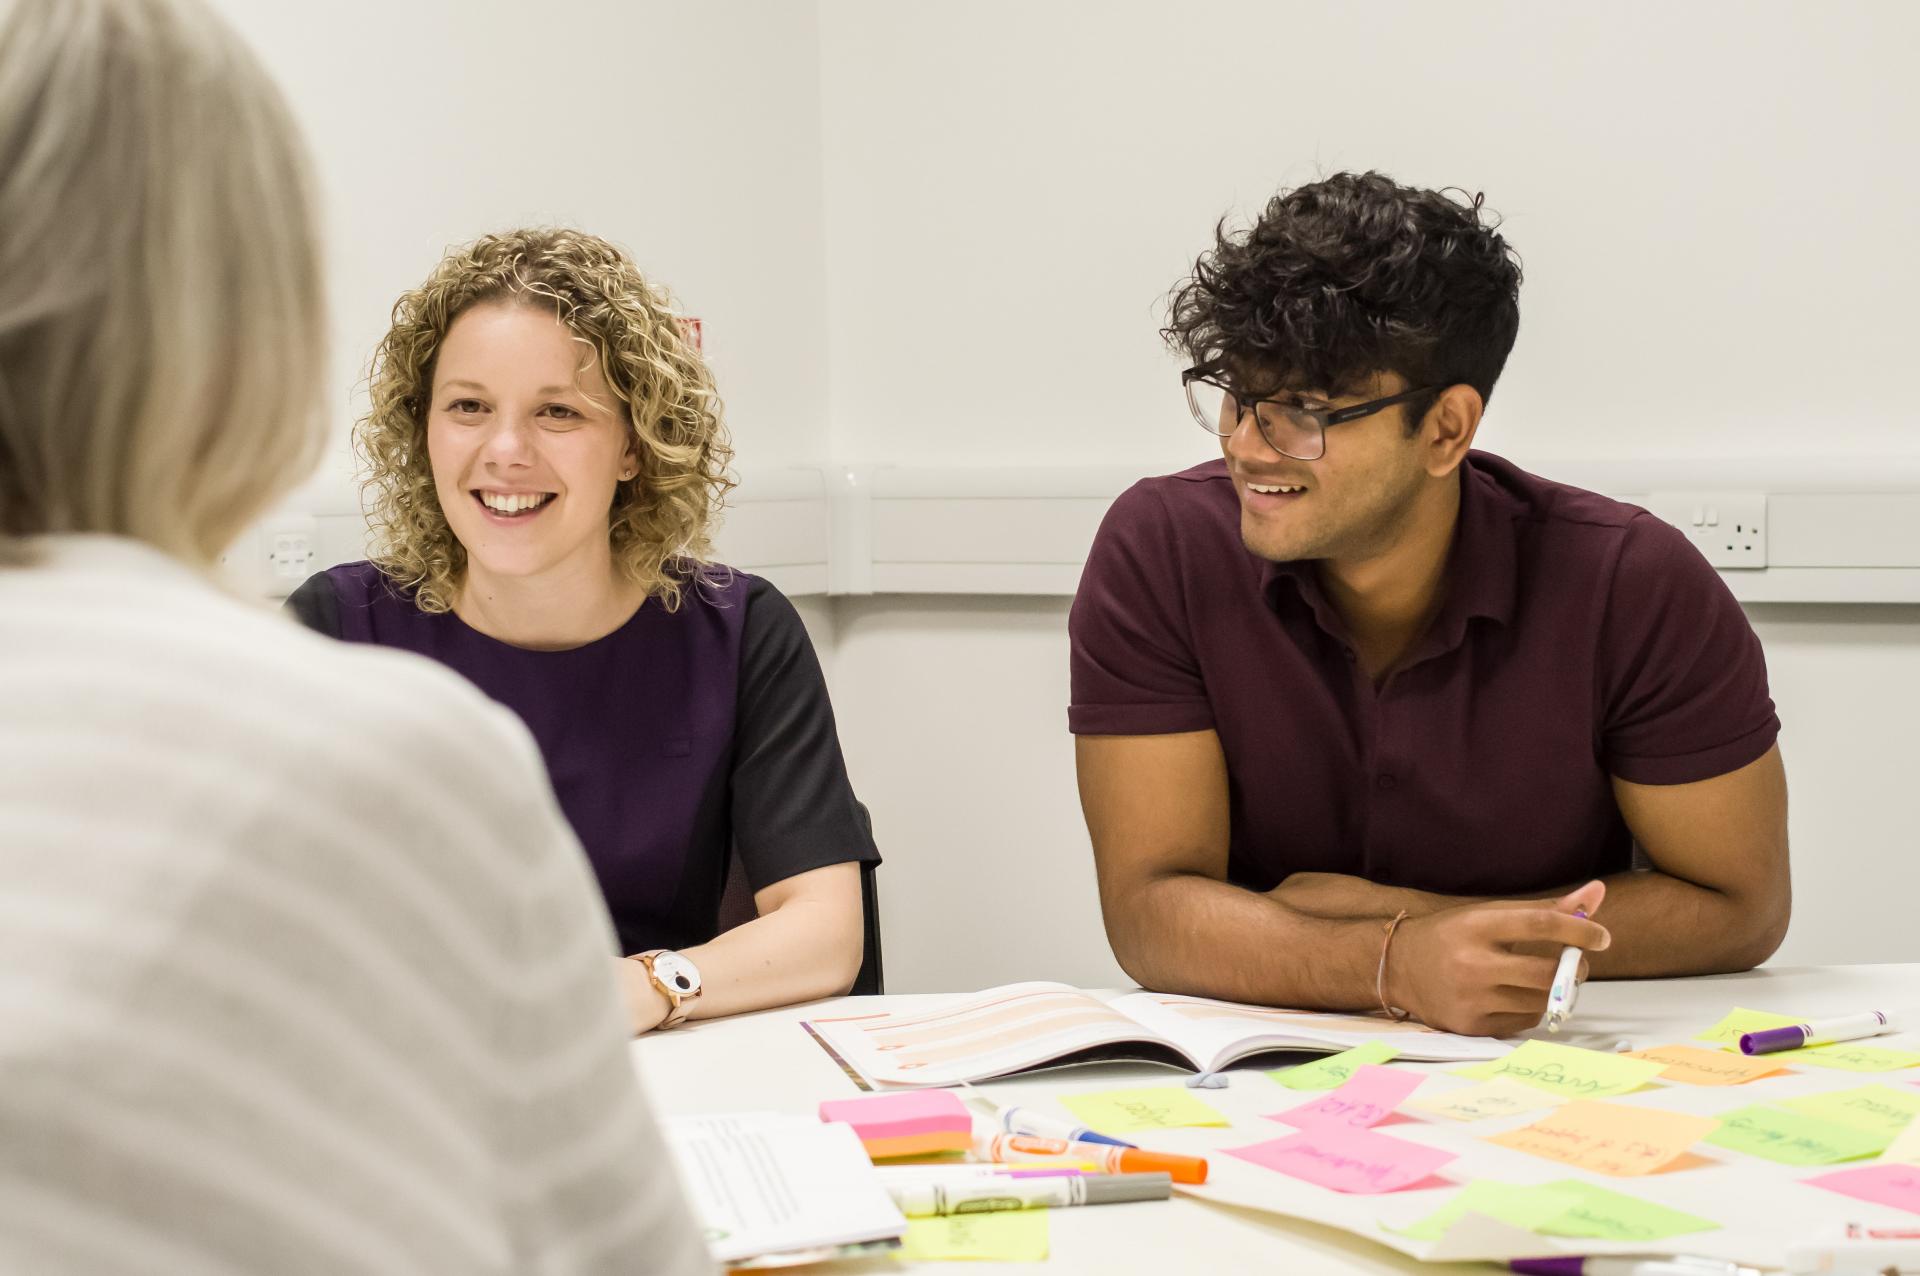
(1717, 897)
(1156, 809)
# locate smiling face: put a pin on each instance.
(1353, 503)
(527, 444)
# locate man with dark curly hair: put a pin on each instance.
(1369, 719)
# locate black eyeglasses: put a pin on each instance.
(1289, 428)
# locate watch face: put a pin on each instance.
(677, 973)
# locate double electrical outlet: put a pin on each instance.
(1729, 528)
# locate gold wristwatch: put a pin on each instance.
(678, 980)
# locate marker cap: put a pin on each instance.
(1111, 1189)
(1182, 1169)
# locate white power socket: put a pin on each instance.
(1729, 528)
(287, 542)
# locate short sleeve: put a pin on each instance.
(793, 807)
(1133, 667)
(1684, 694)
(316, 605)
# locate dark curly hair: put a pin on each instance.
(1354, 275)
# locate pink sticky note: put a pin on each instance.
(894, 1115)
(1369, 1096)
(1884, 1184)
(1347, 1160)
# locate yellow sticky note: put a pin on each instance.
(1879, 1108)
(1567, 1208)
(1335, 1070)
(1905, 1147)
(1691, 1065)
(1851, 1056)
(1156, 1108)
(1569, 1070)
(1609, 1138)
(997, 1236)
(1530, 1208)
(1740, 1021)
(1499, 1096)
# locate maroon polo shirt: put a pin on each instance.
(1579, 638)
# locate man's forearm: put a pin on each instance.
(1661, 925)
(1191, 934)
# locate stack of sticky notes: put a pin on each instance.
(916, 1123)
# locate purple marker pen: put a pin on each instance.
(1819, 1032)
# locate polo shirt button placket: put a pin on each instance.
(1385, 782)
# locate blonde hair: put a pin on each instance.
(660, 519)
(162, 353)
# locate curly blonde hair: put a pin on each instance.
(661, 518)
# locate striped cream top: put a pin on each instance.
(301, 970)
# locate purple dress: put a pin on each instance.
(674, 743)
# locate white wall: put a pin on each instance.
(1714, 204)
(939, 233)
(1713, 200)
(688, 134)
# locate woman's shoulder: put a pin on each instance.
(360, 584)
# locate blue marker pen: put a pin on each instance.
(1041, 1126)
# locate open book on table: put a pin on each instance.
(1022, 1027)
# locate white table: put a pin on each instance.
(766, 1062)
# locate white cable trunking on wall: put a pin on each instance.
(1828, 531)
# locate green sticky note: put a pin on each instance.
(1738, 1022)
(1851, 1056)
(997, 1236)
(1525, 1207)
(1333, 1071)
(1569, 1070)
(1565, 1208)
(1795, 1138)
(1597, 1214)
(1157, 1108)
(1879, 1108)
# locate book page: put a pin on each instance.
(768, 1183)
(1216, 1033)
(1003, 1030)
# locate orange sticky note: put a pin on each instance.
(1690, 1065)
(1609, 1138)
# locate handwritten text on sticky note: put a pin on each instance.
(1691, 1065)
(1155, 1108)
(1359, 1161)
(1565, 1208)
(1879, 1108)
(1740, 1021)
(1368, 1099)
(1569, 1070)
(1609, 1138)
(1851, 1056)
(1794, 1138)
(1335, 1069)
(1598, 1214)
(1496, 1098)
(1525, 1207)
(1003, 1236)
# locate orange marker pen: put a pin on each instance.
(1110, 1159)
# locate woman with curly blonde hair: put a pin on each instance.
(544, 456)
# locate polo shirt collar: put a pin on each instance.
(1482, 569)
